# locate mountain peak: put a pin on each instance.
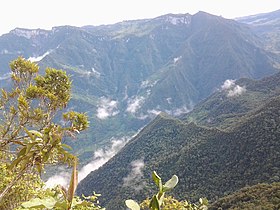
(29, 33)
(176, 19)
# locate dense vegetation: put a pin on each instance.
(260, 196)
(220, 110)
(168, 64)
(210, 162)
(229, 141)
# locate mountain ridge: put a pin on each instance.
(126, 73)
(209, 162)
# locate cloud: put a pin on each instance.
(100, 157)
(175, 60)
(169, 100)
(4, 51)
(92, 72)
(62, 178)
(178, 111)
(228, 84)
(154, 112)
(148, 84)
(37, 59)
(134, 177)
(107, 108)
(236, 91)
(96, 73)
(135, 104)
(232, 89)
(151, 113)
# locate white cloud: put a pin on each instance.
(4, 51)
(147, 83)
(96, 73)
(62, 178)
(37, 59)
(169, 100)
(135, 104)
(236, 91)
(228, 84)
(175, 60)
(125, 93)
(150, 114)
(232, 89)
(154, 111)
(135, 175)
(107, 108)
(142, 116)
(100, 157)
(178, 111)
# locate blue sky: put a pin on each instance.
(44, 14)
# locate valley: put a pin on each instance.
(193, 95)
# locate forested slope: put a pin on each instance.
(209, 162)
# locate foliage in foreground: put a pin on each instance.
(31, 132)
(59, 198)
(170, 202)
(160, 202)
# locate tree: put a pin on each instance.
(31, 131)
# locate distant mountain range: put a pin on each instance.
(267, 26)
(126, 73)
(204, 89)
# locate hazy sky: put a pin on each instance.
(48, 13)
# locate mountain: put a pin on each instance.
(260, 196)
(209, 161)
(126, 73)
(233, 101)
(267, 26)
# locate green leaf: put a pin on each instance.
(22, 152)
(133, 205)
(66, 146)
(61, 205)
(160, 198)
(170, 184)
(154, 204)
(81, 204)
(4, 94)
(36, 133)
(157, 180)
(34, 203)
(29, 147)
(46, 156)
(15, 162)
(203, 201)
(48, 203)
